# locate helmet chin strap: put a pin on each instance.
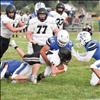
(11, 17)
(42, 20)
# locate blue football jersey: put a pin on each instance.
(13, 65)
(53, 44)
(91, 45)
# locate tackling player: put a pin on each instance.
(55, 43)
(56, 57)
(7, 28)
(93, 51)
(88, 28)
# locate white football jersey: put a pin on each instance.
(25, 18)
(6, 33)
(53, 57)
(42, 30)
(17, 19)
(59, 19)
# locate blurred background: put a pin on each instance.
(80, 12)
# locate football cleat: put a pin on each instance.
(13, 43)
(40, 77)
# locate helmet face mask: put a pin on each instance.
(42, 14)
(60, 8)
(62, 38)
(84, 37)
(11, 11)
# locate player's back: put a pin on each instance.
(13, 65)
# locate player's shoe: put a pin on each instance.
(40, 77)
(13, 81)
(34, 79)
(13, 43)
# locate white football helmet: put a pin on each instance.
(84, 37)
(38, 6)
(62, 38)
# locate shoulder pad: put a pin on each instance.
(91, 45)
(50, 40)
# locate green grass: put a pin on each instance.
(71, 85)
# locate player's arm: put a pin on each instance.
(43, 54)
(58, 69)
(86, 57)
(21, 23)
(29, 33)
(13, 29)
(55, 28)
(96, 71)
(29, 37)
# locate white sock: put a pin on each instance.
(47, 71)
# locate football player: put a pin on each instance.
(59, 15)
(39, 30)
(34, 14)
(37, 7)
(56, 57)
(93, 51)
(7, 28)
(88, 28)
(55, 43)
(15, 70)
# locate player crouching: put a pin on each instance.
(59, 60)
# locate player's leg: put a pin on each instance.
(36, 66)
(94, 79)
(4, 43)
(47, 72)
(96, 73)
(19, 50)
(29, 48)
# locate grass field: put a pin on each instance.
(71, 85)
